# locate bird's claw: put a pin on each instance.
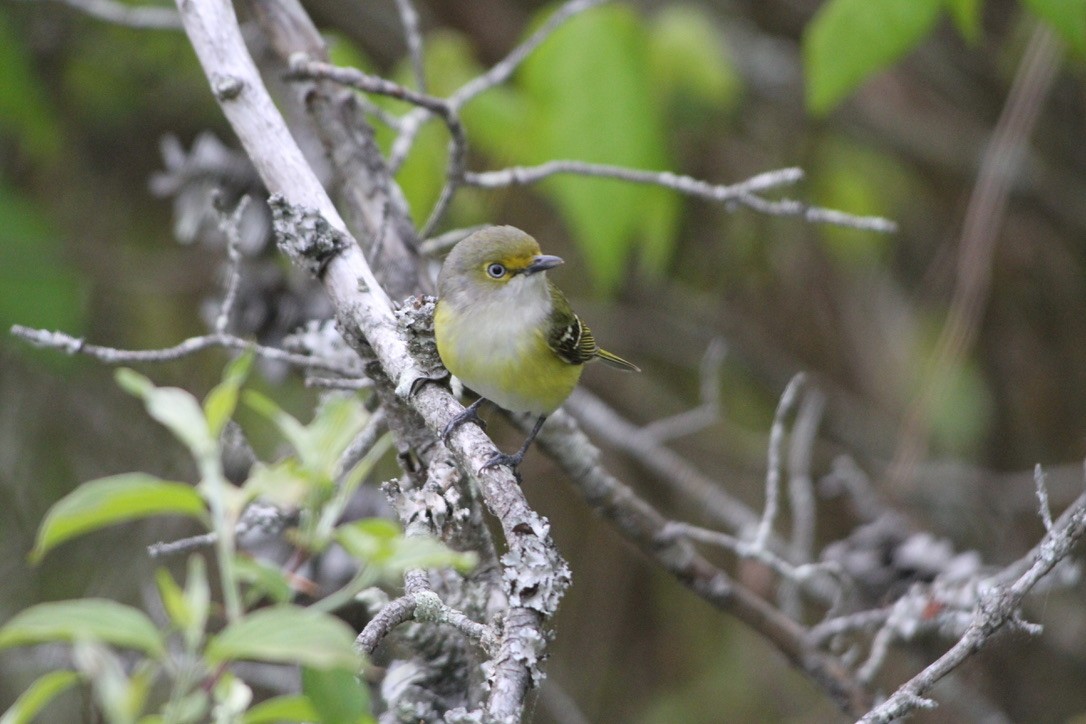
(499, 458)
(470, 414)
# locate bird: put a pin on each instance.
(508, 333)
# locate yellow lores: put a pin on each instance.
(507, 332)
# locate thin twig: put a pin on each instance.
(700, 417)
(801, 490)
(113, 356)
(999, 605)
(498, 74)
(1044, 509)
(742, 193)
(412, 35)
(230, 224)
(301, 66)
(773, 469)
(142, 17)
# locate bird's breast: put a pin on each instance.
(500, 351)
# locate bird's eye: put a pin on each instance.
(496, 271)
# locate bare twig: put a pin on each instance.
(700, 417)
(112, 356)
(498, 74)
(143, 17)
(230, 224)
(773, 469)
(742, 193)
(801, 490)
(998, 606)
(644, 526)
(410, 19)
(301, 66)
(1043, 508)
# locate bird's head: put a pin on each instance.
(492, 259)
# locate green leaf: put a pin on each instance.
(89, 618)
(265, 580)
(187, 608)
(591, 99)
(220, 403)
(966, 16)
(290, 708)
(337, 420)
(176, 409)
(337, 696)
(379, 542)
(688, 59)
(287, 634)
(35, 698)
(286, 484)
(117, 499)
(192, 707)
(1067, 17)
(850, 40)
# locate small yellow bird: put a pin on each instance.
(507, 332)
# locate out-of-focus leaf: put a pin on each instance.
(190, 709)
(966, 15)
(24, 111)
(286, 484)
(287, 634)
(38, 696)
(290, 708)
(859, 179)
(1067, 17)
(85, 619)
(590, 95)
(176, 409)
(38, 286)
(265, 581)
(688, 58)
(337, 696)
(116, 499)
(186, 608)
(337, 420)
(380, 543)
(221, 401)
(850, 40)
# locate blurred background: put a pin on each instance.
(93, 242)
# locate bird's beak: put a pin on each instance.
(543, 262)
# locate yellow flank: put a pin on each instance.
(508, 364)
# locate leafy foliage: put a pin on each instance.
(849, 40)
(311, 484)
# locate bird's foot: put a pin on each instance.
(511, 461)
(470, 414)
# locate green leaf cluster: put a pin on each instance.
(309, 482)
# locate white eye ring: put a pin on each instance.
(495, 270)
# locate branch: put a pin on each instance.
(112, 356)
(644, 526)
(132, 16)
(312, 232)
(739, 193)
(999, 605)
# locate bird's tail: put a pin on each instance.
(617, 362)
